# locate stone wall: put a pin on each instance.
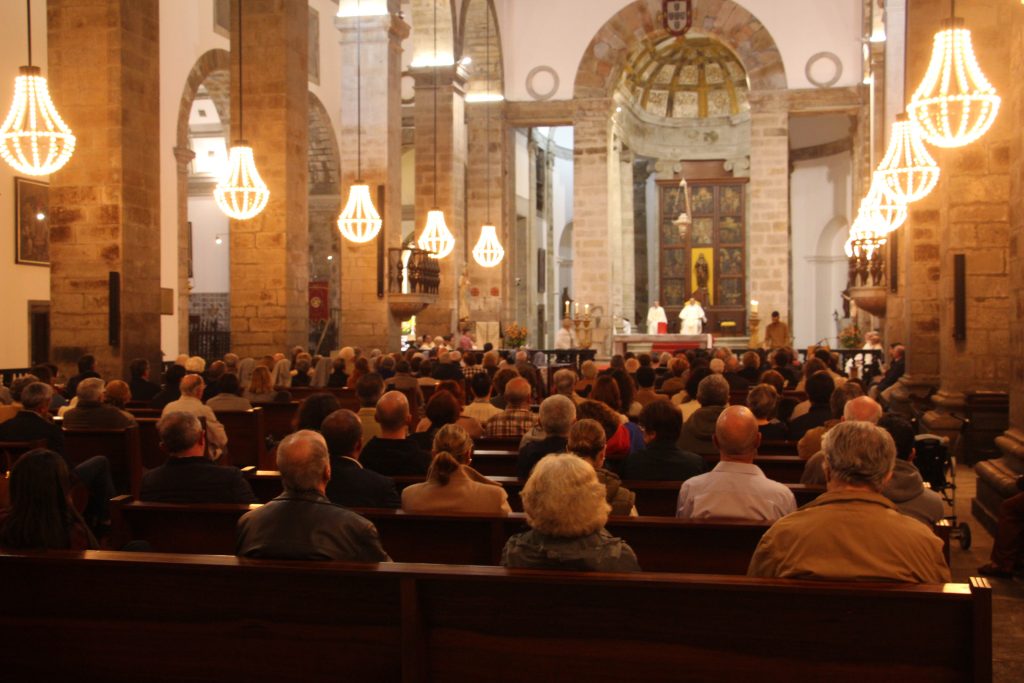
(105, 204)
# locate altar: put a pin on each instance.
(662, 342)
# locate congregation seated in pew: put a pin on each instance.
(92, 412)
(452, 484)
(393, 453)
(555, 418)
(566, 509)
(228, 396)
(302, 523)
(516, 418)
(736, 488)
(662, 458)
(191, 402)
(588, 441)
(762, 399)
(353, 485)
(697, 431)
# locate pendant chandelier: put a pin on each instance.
(436, 237)
(864, 240)
(34, 140)
(955, 104)
(683, 221)
(908, 172)
(880, 210)
(241, 194)
(359, 221)
(488, 251)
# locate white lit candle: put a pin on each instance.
(566, 309)
(753, 306)
(586, 309)
(575, 309)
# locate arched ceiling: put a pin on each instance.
(684, 78)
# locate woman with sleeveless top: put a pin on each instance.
(452, 485)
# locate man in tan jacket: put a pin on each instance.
(852, 532)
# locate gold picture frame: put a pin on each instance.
(31, 222)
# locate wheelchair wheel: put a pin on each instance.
(965, 535)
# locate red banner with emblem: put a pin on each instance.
(319, 291)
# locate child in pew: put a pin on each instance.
(566, 509)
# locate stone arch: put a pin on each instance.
(472, 42)
(423, 27)
(724, 20)
(324, 205)
(210, 63)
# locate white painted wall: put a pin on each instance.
(211, 262)
(801, 28)
(820, 206)
(19, 284)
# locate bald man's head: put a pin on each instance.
(736, 434)
(392, 411)
(517, 392)
(862, 409)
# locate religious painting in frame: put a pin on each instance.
(31, 222)
(677, 16)
(702, 200)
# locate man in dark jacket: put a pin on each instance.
(662, 459)
(557, 413)
(393, 453)
(352, 485)
(819, 391)
(86, 369)
(696, 435)
(142, 389)
(302, 523)
(189, 476)
(32, 422)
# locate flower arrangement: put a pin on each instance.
(850, 337)
(514, 335)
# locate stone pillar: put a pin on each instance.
(366, 319)
(183, 156)
(447, 174)
(768, 222)
(486, 121)
(975, 199)
(591, 217)
(104, 73)
(628, 255)
(996, 477)
(270, 253)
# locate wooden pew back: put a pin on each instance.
(205, 618)
(246, 431)
(120, 446)
(278, 418)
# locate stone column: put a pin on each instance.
(104, 73)
(975, 199)
(591, 218)
(486, 121)
(768, 222)
(447, 174)
(628, 254)
(366, 319)
(183, 156)
(270, 253)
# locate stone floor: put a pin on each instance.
(1008, 594)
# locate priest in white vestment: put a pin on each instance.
(693, 317)
(655, 315)
(565, 338)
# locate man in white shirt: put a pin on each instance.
(736, 488)
(565, 338)
(191, 402)
(655, 315)
(693, 317)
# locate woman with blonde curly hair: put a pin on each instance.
(566, 509)
(452, 485)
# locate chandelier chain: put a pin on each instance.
(359, 89)
(241, 73)
(435, 104)
(28, 20)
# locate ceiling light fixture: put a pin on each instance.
(908, 172)
(241, 194)
(436, 237)
(955, 104)
(359, 221)
(488, 251)
(34, 140)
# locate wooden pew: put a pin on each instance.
(661, 543)
(211, 619)
(10, 451)
(346, 397)
(278, 418)
(120, 446)
(247, 437)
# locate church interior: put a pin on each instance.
(251, 176)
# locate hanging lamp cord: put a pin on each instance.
(435, 104)
(241, 72)
(28, 17)
(359, 90)
(487, 119)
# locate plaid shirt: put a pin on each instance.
(470, 371)
(511, 423)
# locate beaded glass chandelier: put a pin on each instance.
(955, 104)
(908, 172)
(241, 194)
(865, 240)
(359, 221)
(488, 251)
(436, 236)
(34, 140)
(880, 210)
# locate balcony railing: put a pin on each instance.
(412, 271)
